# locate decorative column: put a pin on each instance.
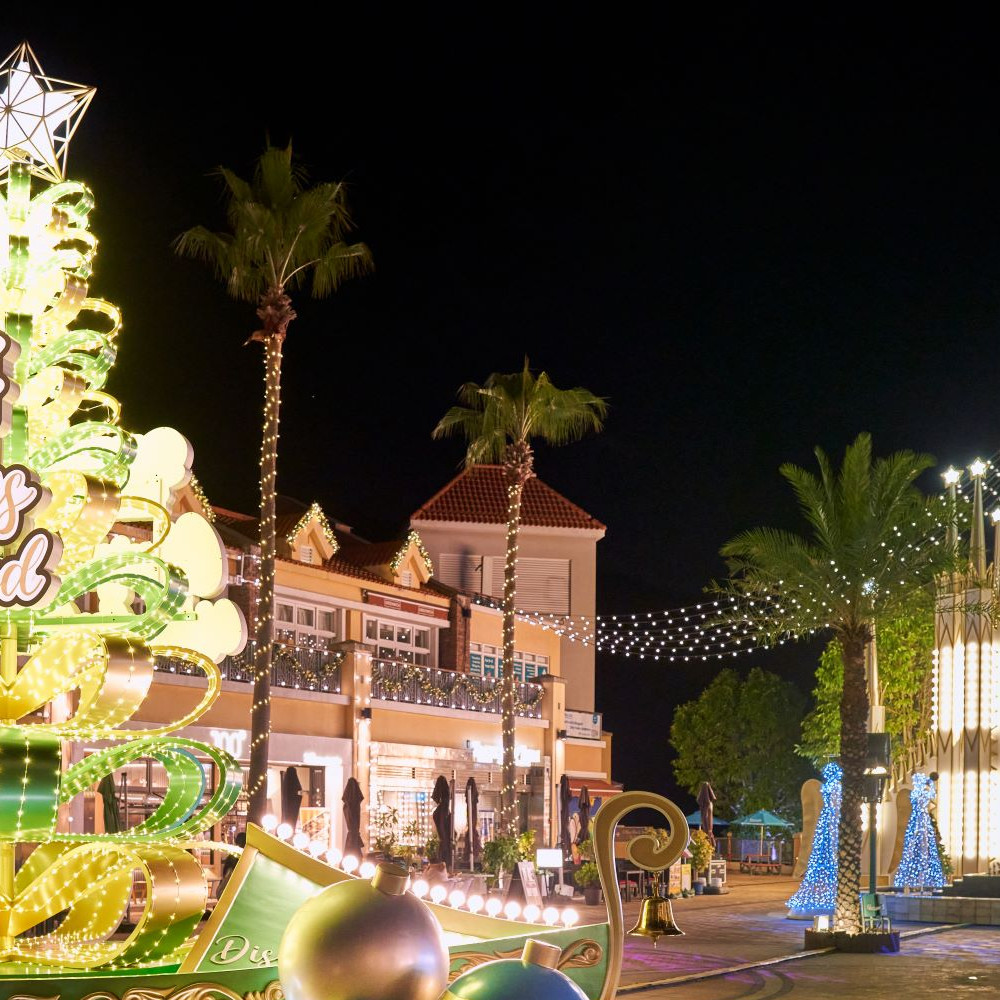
(965, 702)
(554, 713)
(356, 683)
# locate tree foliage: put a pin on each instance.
(874, 545)
(905, 645)
(740, 735)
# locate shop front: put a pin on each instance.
(404, 776)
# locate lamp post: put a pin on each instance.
(876, 775)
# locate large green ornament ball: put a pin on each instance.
(531, 977)
(361, 940)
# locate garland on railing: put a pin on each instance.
(481, 692)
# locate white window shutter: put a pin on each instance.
(543, 585)
(461, 571)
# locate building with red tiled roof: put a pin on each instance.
(464, 526)
(385, 673)
(478, 495)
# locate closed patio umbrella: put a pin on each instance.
(291, 796)
(706, 800)
(584, 803)
(112, 816)
(442, 817)
(352, 799)
(472, 840)
(565, 795)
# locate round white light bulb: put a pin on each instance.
(367, 870)
(438, 893)
(334, 856)
(284, 831)
(512, 910)
(531, 913)
(269, 823)
(550, 915)
(456, 898)
(569, 917)
(419, 888)
(476, 904)
(493, 907)
(300, 841)
(350, 864)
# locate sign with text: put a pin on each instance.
(529, 882)
(584, 725)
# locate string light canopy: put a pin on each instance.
(724, 626)
(38, 115)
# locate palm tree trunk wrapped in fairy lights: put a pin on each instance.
(282, 232)
(499, 419)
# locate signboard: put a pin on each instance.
(410, 607)
(529, 882)
(584, 725)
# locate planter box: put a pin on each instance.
(873, 942)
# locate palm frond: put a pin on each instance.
(341, 262)
(516, 407)
(280, 230)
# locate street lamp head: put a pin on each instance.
(977, 468)
(951, 475)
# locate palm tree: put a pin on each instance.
(498, 419)
(869, 552)
(280, 231)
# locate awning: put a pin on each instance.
(595, 787)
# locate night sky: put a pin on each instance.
(752, 236)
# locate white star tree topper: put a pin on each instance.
(38, 115)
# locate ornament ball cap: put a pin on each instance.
(540, 953)
(390, 879)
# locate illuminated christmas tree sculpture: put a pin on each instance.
(818, 891)
(84, 610)
(920, 866)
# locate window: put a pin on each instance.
(486, 661)
(306, 554)
(315, 628)
(406, 578)
(402, 642)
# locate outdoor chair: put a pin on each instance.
(872, 917)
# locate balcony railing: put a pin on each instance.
(416, 685)
(299, 668)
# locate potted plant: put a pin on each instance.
(500, 855)
(588, 879)
(701, 854)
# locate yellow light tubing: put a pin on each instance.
(113, 675)
(93, 882)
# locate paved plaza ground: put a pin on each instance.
(749, 927)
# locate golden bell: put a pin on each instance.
(656, 919)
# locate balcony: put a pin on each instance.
(300, 668)
(416, 685)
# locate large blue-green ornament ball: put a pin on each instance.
(361, 940)
(530, 977)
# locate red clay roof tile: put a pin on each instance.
(478, 494)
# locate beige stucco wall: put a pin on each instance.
(580, 547)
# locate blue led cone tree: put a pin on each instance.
(817, 892)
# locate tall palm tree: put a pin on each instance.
(498, 419)
(281, 231)
(870, 550)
